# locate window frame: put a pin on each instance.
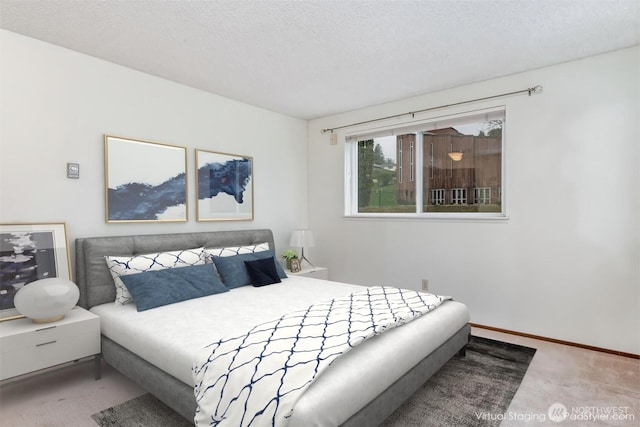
(417, 126)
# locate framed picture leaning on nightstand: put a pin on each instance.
(295, 265)
(30, 252)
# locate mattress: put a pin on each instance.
(169, 337)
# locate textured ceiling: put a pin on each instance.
(311, 58)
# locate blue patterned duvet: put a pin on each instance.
(255, 379)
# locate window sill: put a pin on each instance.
(427, 217)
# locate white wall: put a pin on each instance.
(56, 105)
(565, 264)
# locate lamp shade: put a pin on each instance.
(456, 156)
(302, 239)
(46, 300)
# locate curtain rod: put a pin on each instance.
(530, 90)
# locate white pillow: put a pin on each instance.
(235, 250)
(123, 265)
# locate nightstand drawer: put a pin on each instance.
(46, 333)
(24, 359)
(26, 346)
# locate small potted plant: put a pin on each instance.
(289, 254)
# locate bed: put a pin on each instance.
(337, 397)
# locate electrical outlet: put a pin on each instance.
(425, 285)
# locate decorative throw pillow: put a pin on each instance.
(262, 272)
(162, 287)
(236, 250)
(234, 272)
(124, 265)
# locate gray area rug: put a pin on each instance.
(142, 411)
(485, 380)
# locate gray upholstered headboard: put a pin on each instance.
(95, 281)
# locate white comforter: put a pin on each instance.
(171, 336)
(255, 378)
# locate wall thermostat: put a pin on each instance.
(73, 170)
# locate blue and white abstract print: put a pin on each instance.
(225, 186)
(146, 181)
(230, 177)
(139, 201)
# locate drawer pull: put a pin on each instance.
(44, 329)
(46, 343)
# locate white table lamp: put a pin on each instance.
(46, 300)
(302, 239)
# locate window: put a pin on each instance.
(437, 196)
(449, 166)
(482, 196)
(459, 196)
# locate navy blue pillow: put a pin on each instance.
(162, 287)
(262, 272)
(234, 272)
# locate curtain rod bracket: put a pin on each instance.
(535, 89)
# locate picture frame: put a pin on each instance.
(295, 265)
(30, 252)
(224, 186)
(145, 181)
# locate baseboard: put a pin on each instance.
(553, 340)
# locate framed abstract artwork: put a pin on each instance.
(145, 181)
(30, 252)
(224, 186)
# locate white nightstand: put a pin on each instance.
(315, 272)
(26, 346)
